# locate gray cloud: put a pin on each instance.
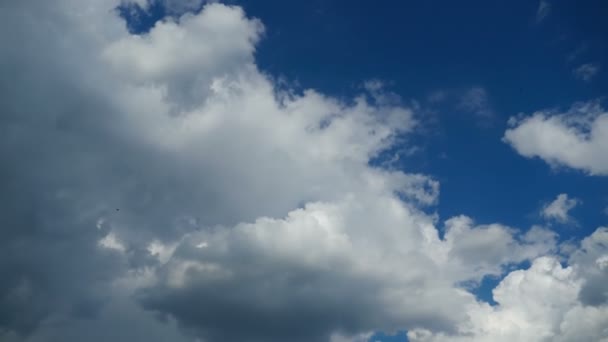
(124, 199)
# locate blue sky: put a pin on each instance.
(319, 171)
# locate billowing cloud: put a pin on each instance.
(358, 264)
(163, 177)
(559, 209)
(577, 138)
(538, 304)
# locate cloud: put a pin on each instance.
(586, 72)
(543, 11)
(538, 304)
(437, 96)
(165, 178)
(577, 138)
(472, 101)
(558, 209)
(475, 100)
(127, 170)
(324, 261)
(593, 260)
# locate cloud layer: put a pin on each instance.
(165, 178)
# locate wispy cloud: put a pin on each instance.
(586, 72)
(437, 96)
(576, 53)
(544, 9)
(475, 100)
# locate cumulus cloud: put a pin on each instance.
(546, 302)
(577, 138)
(538, 304)
(558, 209)
(592, 259)
(326, 261)
(165, 178)
(586, 72)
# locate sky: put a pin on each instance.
(318, 171)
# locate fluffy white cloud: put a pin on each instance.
(165, 173)
(558, 209)
(218, 41)
(576, 139)
(541, 303)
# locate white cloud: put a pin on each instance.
(558, 209)
(110, 241)
(577, 138)
(185, 77)
(586, 72)
(538, 304)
